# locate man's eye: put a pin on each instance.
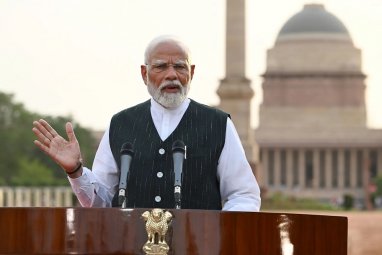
(161, 67)
(180, 67)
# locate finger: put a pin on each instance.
(41, 137)
(42, 130)
(36, 129)
(37, 125)
(41, 146)
(70, 132)
(49, 131)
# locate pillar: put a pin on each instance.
(328, 168)
(301, 168)
(341, 168)
(353, 168)
(277, 170)
(316, 168)
(289, 168)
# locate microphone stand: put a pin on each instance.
(178, 155)
(177, 194)
(127, 153)
(122, 198)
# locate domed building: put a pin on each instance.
(312, 132)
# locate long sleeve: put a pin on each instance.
(238, 186)
(96, 188)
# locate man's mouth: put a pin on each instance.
(171, 89)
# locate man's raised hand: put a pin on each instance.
(65, 153)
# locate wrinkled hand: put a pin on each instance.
(65, 153)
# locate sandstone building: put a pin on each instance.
(312, 132)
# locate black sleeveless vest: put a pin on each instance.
(151, 179)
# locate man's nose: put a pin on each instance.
(171, 73)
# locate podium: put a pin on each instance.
(122, 231)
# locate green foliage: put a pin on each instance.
(348, 202)
(378, 183)
(21, 162)
(281, 202)
(34, 173)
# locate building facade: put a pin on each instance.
(313, 136)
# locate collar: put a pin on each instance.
(159, 109)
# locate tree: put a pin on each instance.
(18, 154)
(378, 183)
(34, 173)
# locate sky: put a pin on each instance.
(82, 58)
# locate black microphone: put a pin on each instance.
(127, 154)
(178, 155)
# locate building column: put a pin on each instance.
(265, 167)
(235, 38)
(301, 168)
(353, 168)
(341, 168)
(235, 91)
(289, 168)
(365, 167)
(277, 170)
(366, 177)
(316, 168)
(328, 168)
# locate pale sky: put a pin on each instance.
(82, 58)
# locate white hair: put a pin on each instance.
(166, 38)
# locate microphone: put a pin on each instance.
(127, 154)
(178, 155)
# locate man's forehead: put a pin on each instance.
(168, 60)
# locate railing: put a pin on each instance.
(36, 197)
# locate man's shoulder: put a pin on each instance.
(133, 109)
(210, 109)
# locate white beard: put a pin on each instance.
(168, 100)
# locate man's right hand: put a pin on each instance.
(65, 153)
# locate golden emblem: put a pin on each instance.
(157, 222)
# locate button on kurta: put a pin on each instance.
(161, 151)
(158, 199)
(159, 174)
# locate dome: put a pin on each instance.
(313, 19)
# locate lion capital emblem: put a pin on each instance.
(157, 222)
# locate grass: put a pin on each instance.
(280, 202)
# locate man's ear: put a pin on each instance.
(192, 71)
(144, 73)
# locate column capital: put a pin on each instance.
(235, 88)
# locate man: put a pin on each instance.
(216, 173)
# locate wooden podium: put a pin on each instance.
(122, 231)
